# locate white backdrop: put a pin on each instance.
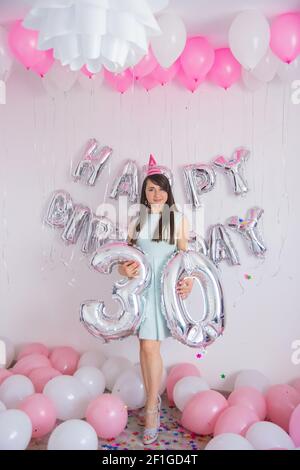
(43, 282)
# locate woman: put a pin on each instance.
(159, 231)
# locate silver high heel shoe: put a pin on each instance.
(151, 434)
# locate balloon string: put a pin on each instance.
(284, 196)
(171, 138)
(166, 121)
(261, 261)
(222, 120)
(252, 140)
(5, 235)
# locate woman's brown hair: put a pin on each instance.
(167, 214)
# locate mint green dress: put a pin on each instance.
(154, 325)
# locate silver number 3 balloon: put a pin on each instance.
(127, 292)
(188, 331)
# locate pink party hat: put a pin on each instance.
(152, 167)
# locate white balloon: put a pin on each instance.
(157, 5)
(93, 380)
(289, 72)
(73, 435)
(14, 389)
(15, 430)
(130, 388)
(186, 388)
(229, 441)
(9, 352)
(164, 377)
(59, 79)
(92, 358)
(168, 46)
(265, 435)
(6, 59)
(252, 378)
(2, 406)
(69, 396)
(266, 69)
(249, 37)
(112, 369)
(251, 82)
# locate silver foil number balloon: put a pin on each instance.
(93, 162)
(127, 292)
(249, 229)
(127, 182)
(199, 179)
(197, 334)
(221, 246)
(234, 169)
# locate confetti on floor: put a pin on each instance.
(172, 436)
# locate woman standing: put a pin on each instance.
(159, 231)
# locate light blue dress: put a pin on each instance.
(154, 325)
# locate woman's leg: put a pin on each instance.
(144, 367)
(152, 367)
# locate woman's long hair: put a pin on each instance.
(166, 225)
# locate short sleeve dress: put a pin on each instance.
(154, 325)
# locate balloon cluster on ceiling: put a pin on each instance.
(125, 43)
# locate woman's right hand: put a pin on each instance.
(129, 269)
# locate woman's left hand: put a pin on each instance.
(184, 287)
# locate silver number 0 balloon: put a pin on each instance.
(184, 328)
(127, 292)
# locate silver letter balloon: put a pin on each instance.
(221, 246)
(193, 333)
(93, 162)
(234, 169)
(94, 315)
(249, 230)
(198, 179)
(127, 182)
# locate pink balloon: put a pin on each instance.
(226, 70)
(236, 419)
(108, 415)
(86, 72)
(281, 401)
(202, 411)
(33, 348)
(148, 82)
(296, 384)
(178, 372)
(23, 44)
(197, 57)
(64, 359)
(42, 413)
(165, 75)
(119, 81)
(45, 63)
(41, 376)
(250, 397)
(285, 36)
(4, 373)
(27, 363)
(145, 66)
(188, 82)
(294, 426)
